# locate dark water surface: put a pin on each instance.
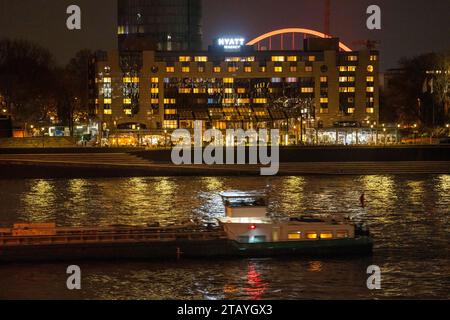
(408, 215)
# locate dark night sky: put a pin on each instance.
(409, 27)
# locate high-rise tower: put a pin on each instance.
(162, 25)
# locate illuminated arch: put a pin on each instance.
(342, 46)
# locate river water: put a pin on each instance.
(408, 215)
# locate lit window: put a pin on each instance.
(295, 236)
(154, 90)
(312, 58)
(248, 69)
(217, 69)
(351, 89)
(370, 89)
(343, 68)
(370, 68)
(107, 80)
(291, 80)
(262, 69)
(324, 110)
(228, 80)
(308, 69)
(127, 101)
(126, 80)
(241, 90)
(351, 79)
(278, 58)
(155, 80)
(326, 235)
(323, 79)
(278, 69)
(154, 101)
(370, 110)
(169, 101)
(292, 58)
(373, 58)
(352, 58)
(229, 90)
(170, 124)
(260, 100)
(184, 90)
(311, 235)
(293, 69)
(185, 69)
(350, 110)
(343, 79)
(370, 79)
(107, 111)
(307, 90)
(185, 59)
(228, 101)
(107, 101)
(170, 111)
(323, 100)
(351, 68)
(201, 59)
(232, 69)
(170, 69)
(135, 79)
(128, 112)
(199, 90)
(243, 101)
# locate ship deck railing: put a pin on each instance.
(132, 236)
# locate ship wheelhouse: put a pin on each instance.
(247, 221)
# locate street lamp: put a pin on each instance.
(165, 138)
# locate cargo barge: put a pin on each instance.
(246, 231)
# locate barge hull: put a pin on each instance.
(183, 249)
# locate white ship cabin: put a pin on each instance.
(247, 221)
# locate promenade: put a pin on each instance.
(123, 164)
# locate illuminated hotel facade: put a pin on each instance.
(318, 95)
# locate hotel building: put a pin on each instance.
(319, 95)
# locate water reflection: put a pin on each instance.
(408, 215)
(256, 286)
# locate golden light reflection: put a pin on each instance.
(293, 191)
(315, 266)
(39, 202)
(213, 184)
(444, 182)
(380, 193)
(416, 192)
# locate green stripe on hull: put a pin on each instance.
(362, 245)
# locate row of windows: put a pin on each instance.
(248, 59)
(312, 235)
(323, 109)
(127, 101)
(323, 79)
(247, 69)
